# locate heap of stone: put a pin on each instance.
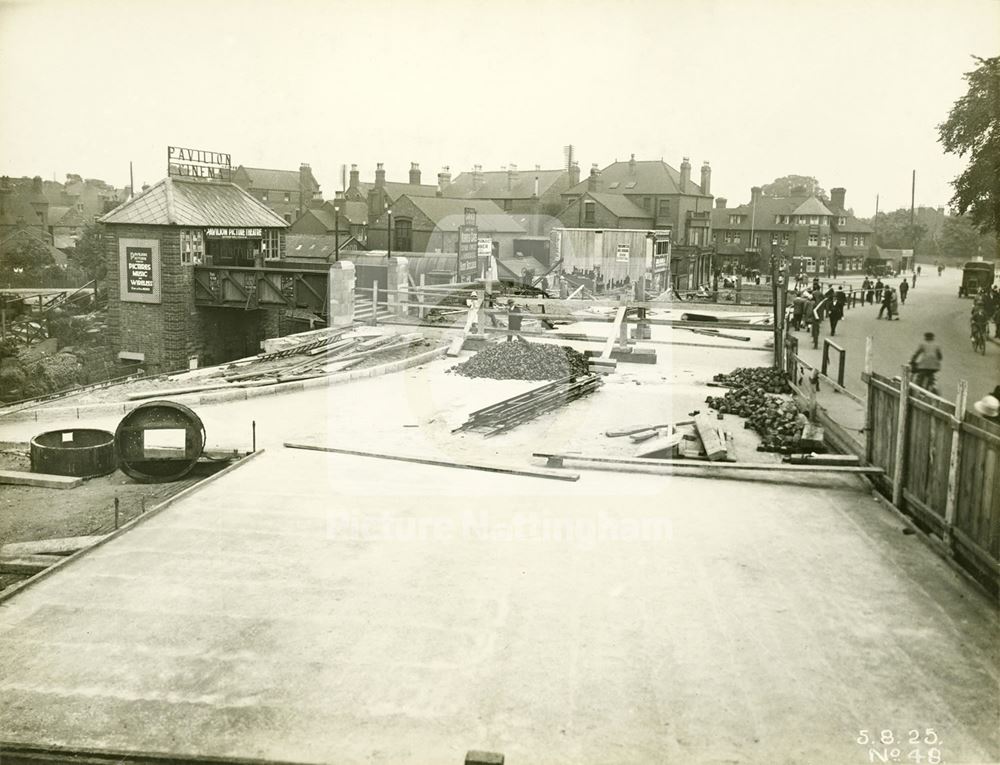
(775, 419)
(523, 361)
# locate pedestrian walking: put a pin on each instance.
(914, 278)
(878, 290)
(903, 289)
(814, 320)
(893, 305)
(835, 314)
(926, 362)
(798, 311)
(513, 320)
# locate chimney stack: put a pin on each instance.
(720, 203)
(535, 192)
(444, 179)
(755, 194)
(354, 182)
(706, 178)
(379, 176)
(512, 176)
(477, 177)
(414, 173)
(574, 173)
(837, 197)
(685, 175)
(592, 181)
(631, 165)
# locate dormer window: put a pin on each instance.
(841, 221)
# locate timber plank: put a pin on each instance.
(26, 564)
(43, 480)
(708, 430)
(59, 546)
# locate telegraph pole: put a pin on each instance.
(913, 231)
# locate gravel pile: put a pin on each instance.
(766, 379)
(523, 361)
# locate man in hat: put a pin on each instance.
(989, 407)
(513, 320)
(926, 362)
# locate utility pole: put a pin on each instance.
(913, 231)
(131, 180)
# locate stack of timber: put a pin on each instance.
(511, 412)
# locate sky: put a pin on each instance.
(849, 92)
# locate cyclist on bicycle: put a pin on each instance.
(926, 362)
(980, 320)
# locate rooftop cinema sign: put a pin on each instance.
(195, 163)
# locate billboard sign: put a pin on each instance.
(139, 270)
(196, 163)
(468, 253)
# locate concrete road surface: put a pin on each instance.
(932, 306)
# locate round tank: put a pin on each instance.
(80, 452)
(159, 441)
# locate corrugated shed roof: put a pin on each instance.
(277, 180)
(448, 214)
(648, 177)
(176, 202)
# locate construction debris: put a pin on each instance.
(60, 546)
(777, 421)
(712, 437)
(511, 412)
(557, 460)
(764, 379)
(523, 361)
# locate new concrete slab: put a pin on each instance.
(330, 608)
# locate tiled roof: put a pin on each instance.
(496, 184)
(396, 190)
(72, 218)
(620, 206)
(350, 211)
(812, 206)
(761, 215)
(176, 202)
(315, 246)
(854, 226)
(275, 180)
(448, 214)
(648, 177)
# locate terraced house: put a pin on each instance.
(814, 236)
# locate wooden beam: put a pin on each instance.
(486, 467)
(43, 480)
(616, 329)
(708, 430)
(900, 471)
(60, 546)
(710, 466)
(954, 460)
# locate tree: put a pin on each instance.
(794, 185)
(26, 262)
(961, 241)
(973, 128)
(89, 252)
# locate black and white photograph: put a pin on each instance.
(444, 382)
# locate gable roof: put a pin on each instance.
(812, 206)
(646, 177)
(317, 246)
(497, 184)
(396, 190)
(178, 202)
(10, 240)
(448, 214)
(619, 205)
(275, 180)
(350, 210)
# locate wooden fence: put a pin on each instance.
(942, 467)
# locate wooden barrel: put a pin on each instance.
(159, 441)
(81, 452)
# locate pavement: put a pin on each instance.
(326, 608)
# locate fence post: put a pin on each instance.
(868, 355)
(826, 356)
(961, 401)
(423, 297)
(375, 303)
(900, 445)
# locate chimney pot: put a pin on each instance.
(706, 178)
(415, 173)
(379, 175)
(720, 203)
(593, 180)
(574, 173)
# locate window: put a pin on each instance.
(263, 196)
(647, 203)
(756, 240)
(843, 240)
(664, 207)
(735, 220)
(630, 185)
(774, 238)
(784, 238)
(271, 243)
(288, 196)
(404, 235)
(192, 247)
(729, 237)
(737, 237)
(841, 221)
(859, 240)
(287, 217)
(589, 212)
(814, 220)
(814, 240)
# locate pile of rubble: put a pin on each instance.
(524, 361)
(756, 397)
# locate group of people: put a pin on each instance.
(811, 306)
(986, 308)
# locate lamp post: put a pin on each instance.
(336, 232)
(388, 230)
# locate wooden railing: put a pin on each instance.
(249, 288)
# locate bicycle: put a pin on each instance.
(924, 378)
(979, 338)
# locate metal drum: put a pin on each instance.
(80, 452)
(159, 441)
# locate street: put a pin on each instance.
(933, 306)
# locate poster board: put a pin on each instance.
(139, 270)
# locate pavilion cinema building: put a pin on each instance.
(187, 280)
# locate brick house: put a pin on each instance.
(287, 192)
(381, 192)
(431, 224)
(813, 236)
(347, 216)
(667, 197)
